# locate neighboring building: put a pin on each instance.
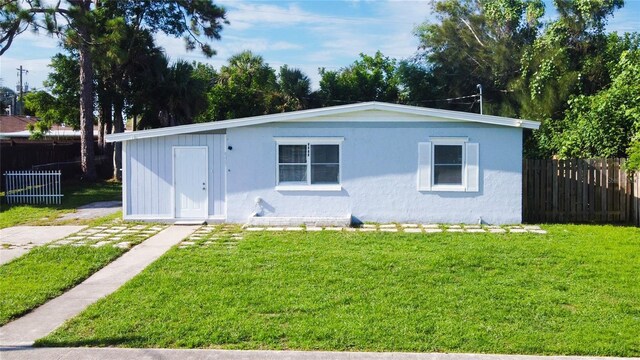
(363, 162)
(59, 149)
(15, 127)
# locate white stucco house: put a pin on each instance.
(363, 162)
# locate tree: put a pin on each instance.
(371, 78)
(478, 42)
(244, 87)
(417, 84)
(294, 90)
(76, 24)
(42, 105)
(7, 97)
(572, 57)
(604, 124)
(64, 84)
(176, 97)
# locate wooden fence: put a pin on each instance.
(577, 190)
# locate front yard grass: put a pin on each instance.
(48, 271)
(575, 290)
(75, 195)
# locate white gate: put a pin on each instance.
(33, 187)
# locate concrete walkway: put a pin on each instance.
(43, 320)
(18, 240)
(93, 211)
(167, 354)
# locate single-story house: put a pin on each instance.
(365, 162)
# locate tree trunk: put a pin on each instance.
(101, 134)
(118, 127)
(87, 155)
(107, 121)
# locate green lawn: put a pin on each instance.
(575, 291)
(75, 194)
(46, 272)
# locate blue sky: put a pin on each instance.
(304, 34)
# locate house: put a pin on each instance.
(363, 162)
(15, 127)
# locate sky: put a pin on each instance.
(305, 34)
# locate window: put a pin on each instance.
(448, 164)
(308, 163)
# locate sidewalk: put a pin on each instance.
(167, 354)
(43, 320)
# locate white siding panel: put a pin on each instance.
(154, 175)
(149, 174)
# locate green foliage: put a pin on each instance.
(7, 97)
(602, 125)
(371, 78)
(416, 84)
(633, 162)
(173, 95)
(294, 90)
(64, 84)
(571, 58)
(478, 42)
(244, 87)
(573, 291)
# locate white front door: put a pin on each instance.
(191, 182)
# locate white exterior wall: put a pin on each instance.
(148, 193)
(379, 173)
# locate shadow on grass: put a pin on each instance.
(77, 194)
(99, 342)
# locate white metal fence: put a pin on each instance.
(33, 187)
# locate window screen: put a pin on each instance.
(447, 165)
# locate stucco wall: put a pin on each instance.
(379, 169)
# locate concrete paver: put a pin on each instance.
(22, 238)
(46, 318)
(196, 354)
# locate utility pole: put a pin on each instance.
(21, 88)
(479, 86)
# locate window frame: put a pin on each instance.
(308, 141)
(449, 141)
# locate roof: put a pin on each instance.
(427, 113)
(12, 126)
(11, 123)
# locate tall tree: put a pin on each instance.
(479, 42)
(244, 87)
(175, 97)
(370, 78)
(75, 23)
(294, 90)
(571, 57)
